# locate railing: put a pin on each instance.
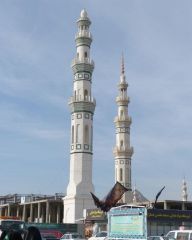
(123, 149)
(80, 98)
(122, 98)
(83, 33)
(16, 198)
(122, 118)
(82, 60)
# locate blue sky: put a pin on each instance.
(36, 49)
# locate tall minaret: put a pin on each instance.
(122, 151)
(82, 106)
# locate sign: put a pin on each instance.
(127, 222)
(169, 215)
(95, 214)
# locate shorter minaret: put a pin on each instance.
(122, 151)
(184, 191)
(134, 195)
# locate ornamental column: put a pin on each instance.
(82, 106)
(123, 151)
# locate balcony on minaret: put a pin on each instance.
(122, 151)
(82, 61)
(82, 65)
(83, 37)
(79, 98)
(83, 33)
(79, 103)
(122, 100)
(119, 119)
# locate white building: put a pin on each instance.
(82, 106)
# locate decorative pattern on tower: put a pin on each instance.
(122, 151)
(82, 106)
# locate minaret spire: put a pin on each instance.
(122, 65)
(184, 190)
(123, 151)
(82, 106)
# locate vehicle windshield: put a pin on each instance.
(12, 224)
(76, 236)
(101, 234)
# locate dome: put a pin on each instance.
(83, 14)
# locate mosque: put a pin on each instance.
(72, 207)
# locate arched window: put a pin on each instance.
(75, 95)
(85, 54)
(77, 133)
(121, 113)
(72, 134)
(85, 94)
(77, 55)
(121, 143)
(91, 135)
(86, 134)
(121, 174)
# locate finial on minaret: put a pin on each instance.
(184, 191)
(122, 64)
(83, 13)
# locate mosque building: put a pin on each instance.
(71, 207)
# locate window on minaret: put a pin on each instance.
(121, 143)
(85, 94)
(75, 94)
(91, 135)
(77, 133)
(77, 55)
(121, 113)
(72, 134)
(121, 174)
(85, 54)
(86, 134)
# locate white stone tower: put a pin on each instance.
(82, 106)
(122, 151)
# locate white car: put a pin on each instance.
(72, 236)
(157, 238)
(99, 236)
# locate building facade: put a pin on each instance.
(82, 106)
(123, 151)
(33, 208)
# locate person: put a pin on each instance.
(32, 233)
(3, 235)
(11, 235)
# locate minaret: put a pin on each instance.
(184, 191)
(134, 195)
(82, 106)
(122, 151)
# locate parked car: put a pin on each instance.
(180, 234)
(157, 238)
(99, 236)
(72, 236)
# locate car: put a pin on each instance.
(180, 234)
(72, 236)
(157, 238)
(99, 236)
